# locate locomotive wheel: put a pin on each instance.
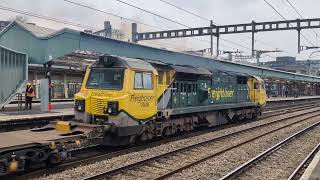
(53, 160)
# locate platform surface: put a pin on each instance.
(34, 100)
(275, 99)
(12, 113)
(313, 170)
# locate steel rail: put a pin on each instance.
(116, 171)
(286, 110)
(304, 163)
(266, 153)
(273, 105)
(102, 156)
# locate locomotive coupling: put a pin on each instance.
(63, 126)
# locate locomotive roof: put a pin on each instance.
(137, 64)
(117, 61)
(191, 70)
(147, 65)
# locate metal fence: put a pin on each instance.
(13, 74)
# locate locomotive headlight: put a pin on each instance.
(79, 105)
(79, 108)
(112, 108)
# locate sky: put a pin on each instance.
(222, 12)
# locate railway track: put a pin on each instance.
(166, 164)
(275, 106)
(298, 172)
(99, 156)
(261, 164)
(272, 113)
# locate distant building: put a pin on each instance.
(3, 24)
(108, 32)
(290, 64)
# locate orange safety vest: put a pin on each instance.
(30, 94)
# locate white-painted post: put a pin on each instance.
(65, 86)
(36, 86)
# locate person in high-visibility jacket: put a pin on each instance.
(29, 95)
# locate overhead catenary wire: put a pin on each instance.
(108, 13)
(300, 15)
(112, 14)
(48, 18)
(286, 20)
(176, 22)
(101, 11)
(76, 24)
(147, 11)
(182, 9)
(206, 19)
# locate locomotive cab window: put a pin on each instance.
(143, 80)
(105, 78)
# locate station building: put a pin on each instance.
(291, 64)
(278, 87)
(69, 47)
(66, 80)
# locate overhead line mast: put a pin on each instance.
(253, 27)
(298, 27)
(203, 18)
(296, 10)
(176, 22)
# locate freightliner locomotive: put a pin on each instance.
(125, 100)
(137, 100)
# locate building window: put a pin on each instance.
(143, 80)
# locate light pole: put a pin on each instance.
(313, 53)
(309, 60)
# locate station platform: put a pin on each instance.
(278, 99)
(60, 109)
(38, 100)
(312, 172)
(64, 108)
